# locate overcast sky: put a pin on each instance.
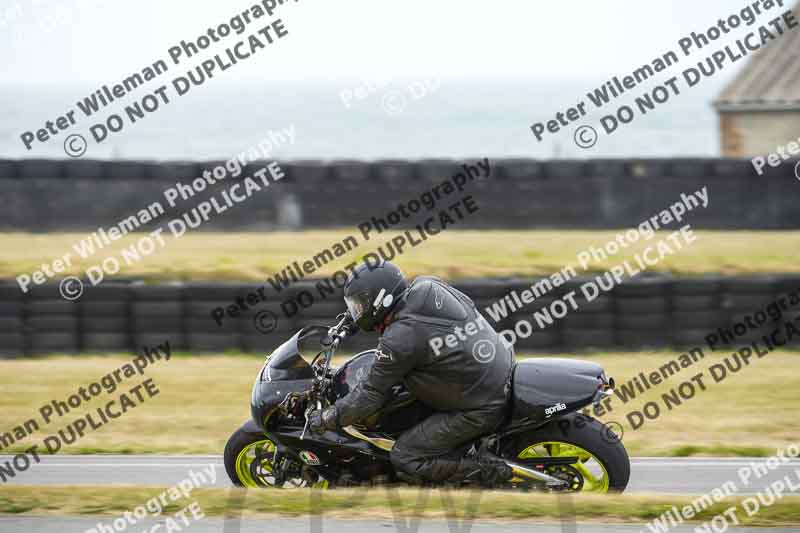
(46, 41)
(497, 67)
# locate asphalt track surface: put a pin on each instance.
(665, 475)
(304, 525)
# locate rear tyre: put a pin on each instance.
(603, 461)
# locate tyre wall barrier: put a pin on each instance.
(82, 195)
(648, 312)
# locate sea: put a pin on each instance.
(362, 120)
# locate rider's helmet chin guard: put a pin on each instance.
(371, 292)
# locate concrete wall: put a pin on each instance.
(78, 195)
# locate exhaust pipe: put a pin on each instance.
(529, 473)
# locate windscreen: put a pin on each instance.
(287, 360)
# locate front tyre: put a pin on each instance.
(602, 466)
(250, 461)
(248, 458)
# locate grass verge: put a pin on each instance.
(384, 503)
(202, 400)
(450, 255)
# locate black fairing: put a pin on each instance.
(541, 384)
(285, 371)
(400, 412)
(286, 363)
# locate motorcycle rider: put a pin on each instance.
(466, 383)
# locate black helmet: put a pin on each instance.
(371, 291)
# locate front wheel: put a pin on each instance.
(602, 463)
(248, 458)
(250, 461)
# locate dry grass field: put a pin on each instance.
(201, 400)
(451, 255)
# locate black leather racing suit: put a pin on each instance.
(467, 382)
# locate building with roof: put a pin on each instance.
(760, 108)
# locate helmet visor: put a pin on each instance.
(355, 306)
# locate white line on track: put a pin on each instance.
(123, 461)
(127, 465)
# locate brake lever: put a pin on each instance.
(308, 412)
(305, 427)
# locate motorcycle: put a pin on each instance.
(545, 439)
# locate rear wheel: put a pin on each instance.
(602, 463)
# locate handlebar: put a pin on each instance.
(339, 332)
(336, 334)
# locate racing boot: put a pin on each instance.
(494, 471)
(485, 469)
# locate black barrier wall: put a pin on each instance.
(82, 195)
(648, 312)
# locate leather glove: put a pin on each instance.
(321, 421)
(349, 327)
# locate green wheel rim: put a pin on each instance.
(595, 475)
(264, 449)
(245, 466)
